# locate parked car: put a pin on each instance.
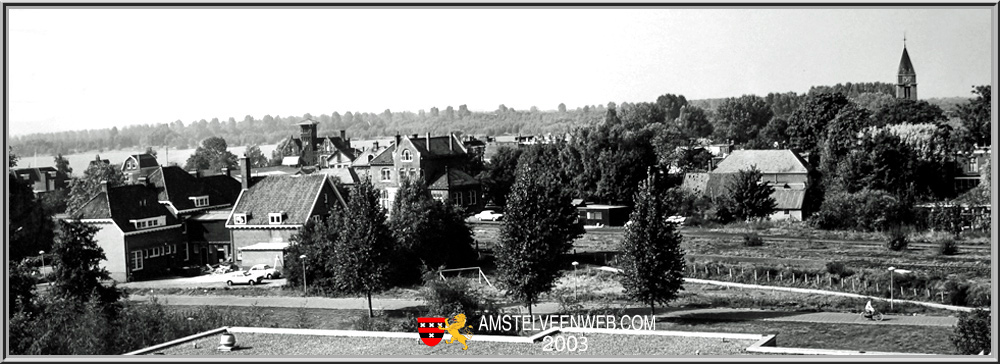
(489, 215)
(266, 270)
(244, 277)
(679, 220)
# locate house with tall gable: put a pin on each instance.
(140, 237)
(272, 209)
(440, 161)
(311, 150)
(137, 166)
(786, 171)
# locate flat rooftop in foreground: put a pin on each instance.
(598, 344)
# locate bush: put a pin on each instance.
(838, 269)
(454, 296)
(897, 240)
(948, 247)
(972, 333)
(752, 240)
(866, 210)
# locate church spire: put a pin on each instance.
(906, 85)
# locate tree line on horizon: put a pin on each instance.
(362, 125)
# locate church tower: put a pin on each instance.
(906, 83)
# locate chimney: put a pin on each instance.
(104, 186)
(225, 171)
(375, 145)
(397, 139)
(245, 171)
(428, 140)
(343, 135)
(414, 136)
(451, 142)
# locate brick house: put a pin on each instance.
(310, 150)
(140, 237)
(440, 161)
(273, 208)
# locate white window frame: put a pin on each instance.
(472, 197)
(199, 201)
(275, 218)
(458, 198)
(386, 174)
(240, 219)
(136, 261)
(154, 252)
(406, 156)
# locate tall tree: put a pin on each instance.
(693, 122)
(78, 274)
(671, 105)
(975, 117)
(212, 154)
(88, 186)
(31, 227)
(906, 111)
(500, 174)
(432, 231)
(11, 157)
(750, 198)
(808, 122)
(540, 225)
(256, 157)
(562, 107)
(364, 246)
(651, 260)
(741, 119)
(62, 165)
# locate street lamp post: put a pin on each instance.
(305, 288)
(41, 253)
(575, 286)
(891, 269)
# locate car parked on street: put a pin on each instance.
(265, 270)
(679, 220)
(489, 215)
(244, 277)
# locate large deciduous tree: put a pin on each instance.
(651, 260)
(539, 226)
(500, 174)
(975, 117)
(808, 122)
(256, 157)
(432, 232)
(364, 246)
(212, 154)
(671, 105)
(77, 272)
(906, 111)
(31, 227)
(741, 119)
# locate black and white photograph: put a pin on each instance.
(502, 181)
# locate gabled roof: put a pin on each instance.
(905, 66)
(385, 157)
(362, 159)
(788, 199)
(125, 203)
(178, 186)
(295, 195)
(144, 160)
(453, 178)
(767, 161)
(439, 145)
(340, 145)
(346, 176)
(34, 174)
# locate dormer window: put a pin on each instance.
(25, 176)
(240, 219)
(130, 164)
(149, 223)
(275, 218)
(199, 201)
(407, 156)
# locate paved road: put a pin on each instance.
(550, 307)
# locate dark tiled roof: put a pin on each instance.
(295, 195)
(384, 158)
(178, 186)
(362, 159)
(454, 178)
(341, 145)
(440, 145)
(788, 199)
(767, 161)
(34, 174)
(125, 203)
(905, 66)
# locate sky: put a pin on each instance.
(72, 69)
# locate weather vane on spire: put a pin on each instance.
(904, 39)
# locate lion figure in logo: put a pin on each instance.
(456, 332)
